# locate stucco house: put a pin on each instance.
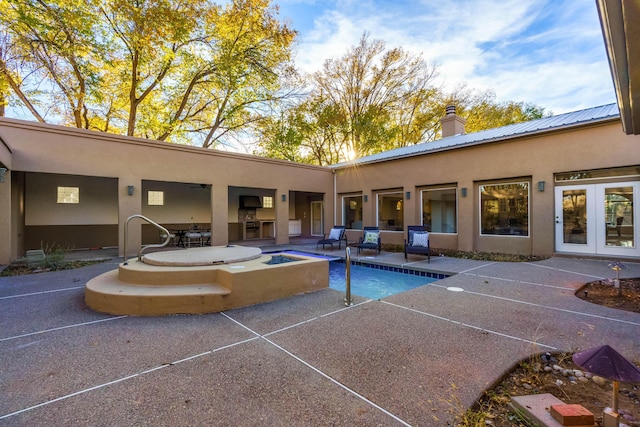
(563, 184)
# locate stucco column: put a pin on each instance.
(467, 215)
(129, 205)
(369, 208)
(411, 214)
(542, 218)
(219, 215)
(282, 216)
(332, 215)
(7, 235)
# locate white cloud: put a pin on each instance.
(545, 52)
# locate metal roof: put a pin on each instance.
(547, 124)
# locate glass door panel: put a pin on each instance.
(574, 216)
(618, 205)
(316, 219)
(575, 219)
(617, 219)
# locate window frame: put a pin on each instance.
(399, 192)
(344, 209)
(501, 209)
(155, 193)
(68, 195)
(456, 204)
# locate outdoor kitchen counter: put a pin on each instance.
(268, 228)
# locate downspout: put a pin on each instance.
(335, 196)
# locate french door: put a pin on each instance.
(597, 219)
(317, 219)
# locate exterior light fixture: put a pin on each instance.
(408, 195)
(284, 197)
(540, 185)
(463, 191)
(3, 174)
(366, 198)
(617, 266)
(130, 190)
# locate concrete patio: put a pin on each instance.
(416, 358)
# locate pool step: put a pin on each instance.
(139, 273)
(140, 289)
(108, 294)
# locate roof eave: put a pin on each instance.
(538, 132)
(619, 21)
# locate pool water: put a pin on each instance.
(373, 283)
(280, 259)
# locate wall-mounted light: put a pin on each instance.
(463, 191)
(540, 185)
(130, 190)
(3, 174)
(284, 197)
(366, 198)
(408, 195)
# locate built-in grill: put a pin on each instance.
(251, 225)
(247, 217)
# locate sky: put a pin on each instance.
(550, 53)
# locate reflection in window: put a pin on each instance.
(391, 211)
(619, 216)
(68, 195)
(155, 198)
(352, 212)
(504, 209)
(574, 216)
(439, 210)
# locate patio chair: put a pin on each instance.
(336, 235)
(172, 238)
(417, 242)
(370, 239)
(193, 236)
(206, 238)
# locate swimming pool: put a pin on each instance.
(375, 283)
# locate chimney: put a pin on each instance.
(452, 124)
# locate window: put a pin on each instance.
(623, 172)
(504, 209)
(391, 211)
(352, 212)
(68, 195)
(155, 198)
(439, 210)
(267, 201)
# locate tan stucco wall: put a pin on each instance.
(46, 149)
(6, 206)
(530, 159)
(58, 150)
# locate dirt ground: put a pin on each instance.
(530, 378)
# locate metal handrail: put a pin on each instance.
(155, 245)
(347, 299)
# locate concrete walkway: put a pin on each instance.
(416, 358)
